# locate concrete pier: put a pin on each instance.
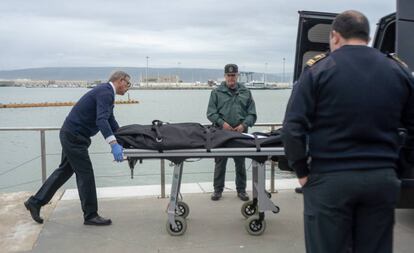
(139, 224)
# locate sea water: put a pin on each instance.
(20, 165)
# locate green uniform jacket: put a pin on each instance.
(235, 107)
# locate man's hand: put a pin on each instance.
(239, 128)
(303, 181)
(117, 151)
(226, 126)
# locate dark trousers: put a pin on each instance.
(75, 159)
(220, 173)
(350, 211)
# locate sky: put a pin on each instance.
(255, 34)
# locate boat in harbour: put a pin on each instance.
(256, 85)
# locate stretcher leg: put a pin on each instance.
(249, 208)
(181, 208)
(254, 210)
(176, 225)
(265, 203)
(254, 179)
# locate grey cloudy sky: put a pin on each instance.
(173, 33)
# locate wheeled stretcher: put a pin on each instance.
(178, 210)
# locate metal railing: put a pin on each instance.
(42, 131)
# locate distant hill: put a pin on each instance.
(102, 73)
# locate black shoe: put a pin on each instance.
(216, 196)
(34, 211)
(298, 189)
(243, 196)
(98, 221)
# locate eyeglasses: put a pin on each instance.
(129, 84)
(231, 75)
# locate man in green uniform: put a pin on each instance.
(232, 108)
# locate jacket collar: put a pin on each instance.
(223, 87)
(113, 87)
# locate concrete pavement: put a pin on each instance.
(139, 225)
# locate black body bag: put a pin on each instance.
(164, 136)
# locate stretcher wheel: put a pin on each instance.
(254, 226)
(182, 209)
(269, 195)
(248, 209)
(277, 209)
(181, 226)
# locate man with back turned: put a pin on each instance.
(341, 137)
(92, 113)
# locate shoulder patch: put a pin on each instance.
(315, 59)
(397, 59)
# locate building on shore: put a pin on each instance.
(168, 82)
(160, 82)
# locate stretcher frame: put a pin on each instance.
(178, 210)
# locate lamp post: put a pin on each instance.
(283, 74)
(178, 72)
(265, 74)
(146, 71)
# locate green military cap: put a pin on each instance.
(231, 69)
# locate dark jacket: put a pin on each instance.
(345, 111)
(93, 112)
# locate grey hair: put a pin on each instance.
(117, 75)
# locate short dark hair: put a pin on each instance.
(352, 24)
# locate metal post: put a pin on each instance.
(283, 75)
(162, 178)
(146, 71)
(43, 154)
(272, 170)
(178, 72)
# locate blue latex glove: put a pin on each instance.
(117, 151)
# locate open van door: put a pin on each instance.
(312, 38)
(404, 32)
(384, 39)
